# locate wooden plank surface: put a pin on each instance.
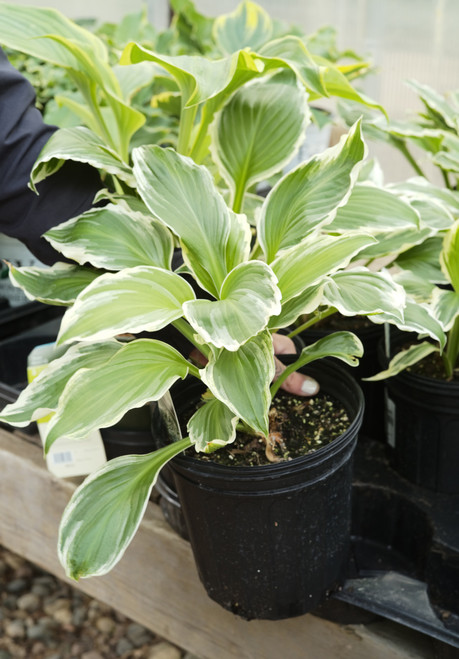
(156, 582)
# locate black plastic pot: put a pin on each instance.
(373, 419)
(423, 430)
(271, 541)
(131, 435)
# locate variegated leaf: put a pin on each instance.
(105, 511)
(437, 103)
(141, 371)
(307, 302)
(404, 359)
(133, 300)
(314, 258)
(82, 145)
(396, 242)
(42, 394)
(248, 297)
(449, 257)
(416, 285)
(445, 307)
(23, 29)
(183, 196)
(376, 210)
(360, 292)
(292, 51)
(201, 79)
(213, 425)
(114, 237)
(241, 380)
(258, 131)
(423, 260)
(59, 284)
(419, 188)
(345, 346)
(418, 317)
(310, 195)
(433, 213)
(248, 26)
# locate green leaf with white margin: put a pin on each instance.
(433, 213)
(314, 258)
(418, 317)
(141, 371)
(258, 131)
(22, 27)
(105, 511)
(437, 103)
(248, 26)
(292, 51)
(82, 145)
(248, 297)
(396, 242)
(200, 78)
(337, 84)
(416, 286)
(361, 292)
(445, 307)
(138, 299)
(449, 257)
(376, 210)
(241, 380)
(420, 188)
(309, 196)
(114, 237)
(60, 284)
(305, 303)
(132, 78)
(121, 120)
(423, 260)
(183, 195)
(213, 425)
(403, 360)
(42, 394)
(345, 346)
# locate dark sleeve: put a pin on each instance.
(23, 214)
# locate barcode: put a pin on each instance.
(64, 457)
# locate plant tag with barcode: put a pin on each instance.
(70, 457)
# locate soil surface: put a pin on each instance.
(432, 367)
(297, 425)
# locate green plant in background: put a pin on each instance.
(110, 97)
(443, 305)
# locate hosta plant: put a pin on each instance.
(442, 302)
(248, 283)
(186, 89)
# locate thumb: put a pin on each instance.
(297, 383)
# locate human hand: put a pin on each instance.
(296, 383)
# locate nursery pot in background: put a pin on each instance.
(423, 429)
(370, 335)
(270, 541)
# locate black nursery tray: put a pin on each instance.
(405, 549)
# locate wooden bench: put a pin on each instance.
(156, 583)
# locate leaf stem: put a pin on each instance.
(451, 353)
(312, 321)
(188, 332)
(186, 126)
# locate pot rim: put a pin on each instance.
(314, 458)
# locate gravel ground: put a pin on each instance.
(44, 618)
